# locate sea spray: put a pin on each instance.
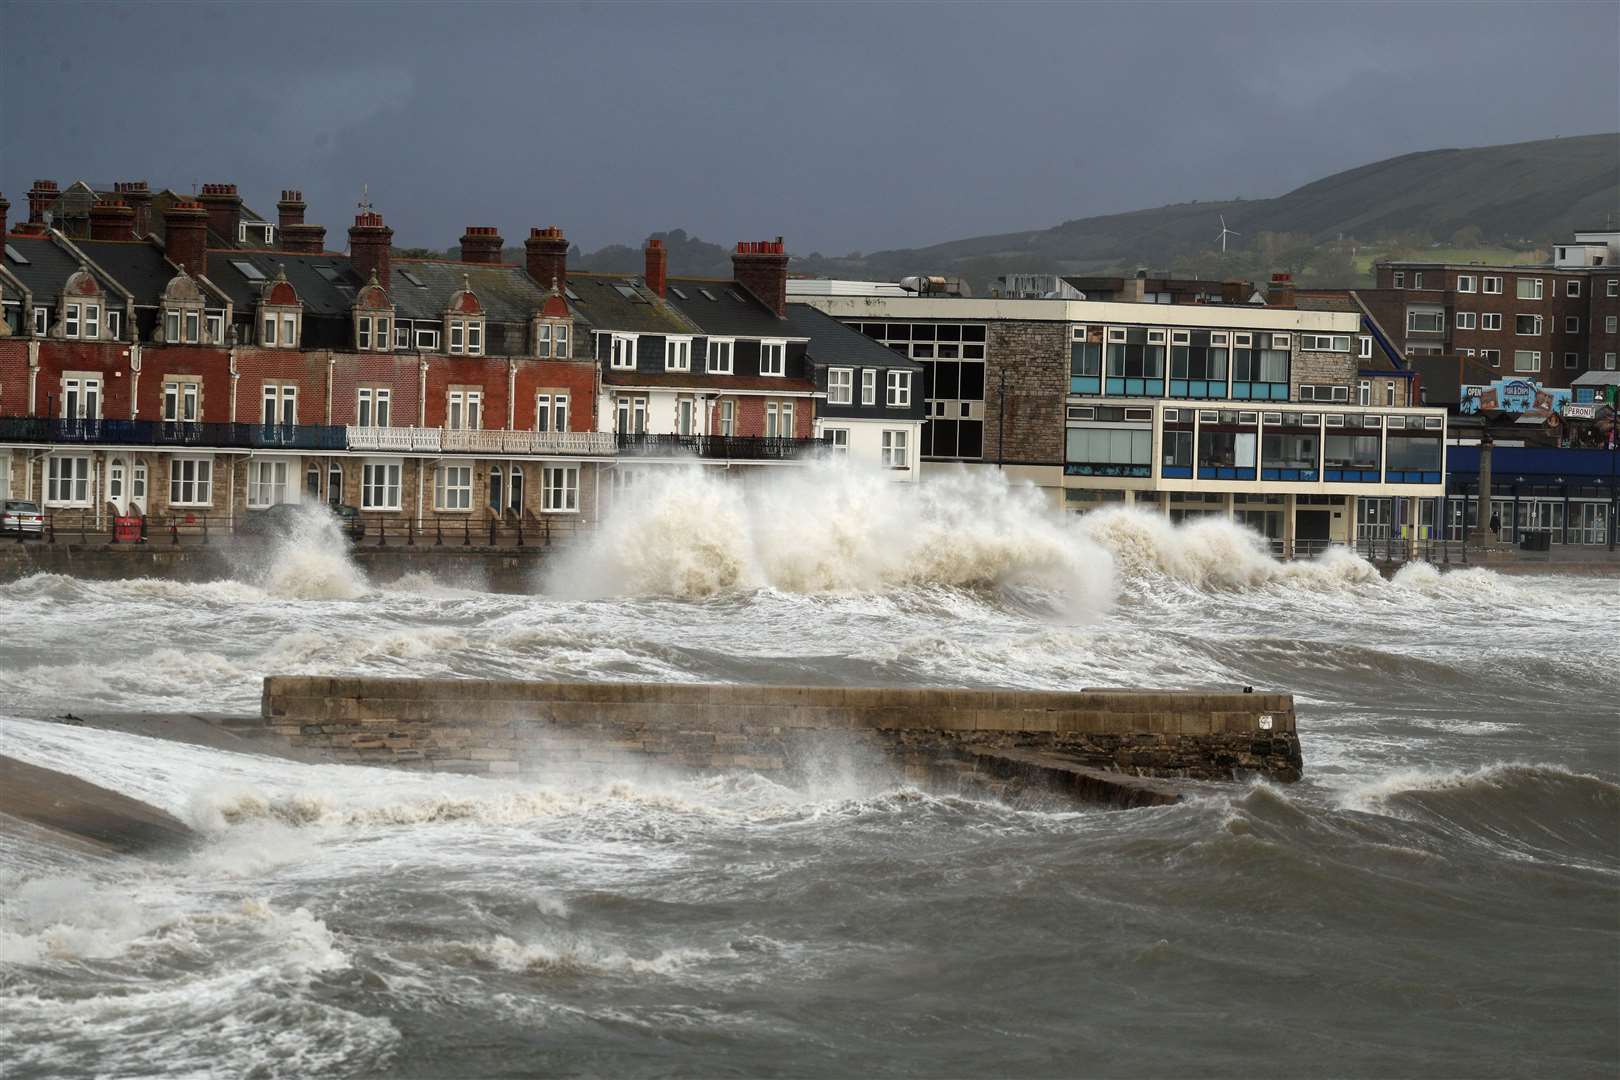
(690, 533)
(308, 561)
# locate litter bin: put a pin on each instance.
(127, 530)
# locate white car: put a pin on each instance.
(21, 517)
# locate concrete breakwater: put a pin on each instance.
(1108, 745)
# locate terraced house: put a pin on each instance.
(185, 357)
(1292, 415)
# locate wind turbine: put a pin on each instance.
(1225, 232)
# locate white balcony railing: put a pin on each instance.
(498, 443)
(397, 439)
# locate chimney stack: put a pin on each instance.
(291, 210)
(138, 196)
(481, 244)
(185, 236)
(547, 251)
(370, 243)
(112, 220)
(5, 208)
(303, 239)
(40, 197)
(760, 266)
(224, 208)
(657, 266)
(1280, 291)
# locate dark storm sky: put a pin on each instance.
(843, 126)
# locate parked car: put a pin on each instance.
(282, 519)
(21, 517)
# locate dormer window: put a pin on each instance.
(70, 321)
(374, 319)
(183, 302)
(772, 358)
(622, 354)
(677, 354)
(467, 336)
(81, 306)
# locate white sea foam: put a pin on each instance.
(832, 527)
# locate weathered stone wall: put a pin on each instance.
(512, 727)
(1035, 357)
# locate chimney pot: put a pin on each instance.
(760, 266)
(5, 209)
(224, 208)
(113, 219)
(40, 197)
(657, 274)
(481, 244)
(370, 243)
(546, 252)
(185, 235)
(290, 209)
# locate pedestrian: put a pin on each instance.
(1496, 526)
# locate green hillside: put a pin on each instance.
(1497, 202)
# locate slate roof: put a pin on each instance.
(47, 269)
(137, 265)
(694, 380)
(507, 293)
(603, 306)
(734, 311)
(320, 293)
(833, 343)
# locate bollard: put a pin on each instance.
(466, 534)
(410, 532)
(174, 531)
(382, 532)
(205, 530)
(438, 533)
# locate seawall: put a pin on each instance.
(55, 808)
(503, 569)
(1091, 743)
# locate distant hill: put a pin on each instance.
(1521, 195)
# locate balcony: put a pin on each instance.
(170, 433)
(396, 440)
(719, 447)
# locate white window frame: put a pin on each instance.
(1536, 326)
(362, 333)
(869, 386)
(1613, 288)
(262, 492)
(426, 340)
(1608, 361)
(1572, 324)
(1365, 347)
(559, 489)
(283, 402)
(841, 386)
(542, 339)
(1491, 356)
(776, 351)
(379, 478)
(728, 417)
(42, 321)
(191, 481)
(180, 398)
(677, 353)
(1491, 284)
(115, 324)
(1572, 360)
(1610, 324)
(1572, 287)
(453, 340)
(720, 356)
(92, 322)
(475, 337)
(1534, 360)
(897, 389)
(1399, 279)
(1467, 320)
(464, 410)
(84, 391)
(1490, 320)
(67, 480)
(896, 448)
(1535, 291)
(622, 351)
(1465, 283)
(215, 324)
(452, 488)
(837, 438)
(70, 320)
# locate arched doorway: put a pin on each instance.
(312, 482)
(334, 484)
(495, 489)
(137, 488)
(515, 494)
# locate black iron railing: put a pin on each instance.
(44, 429)
(726, 447)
